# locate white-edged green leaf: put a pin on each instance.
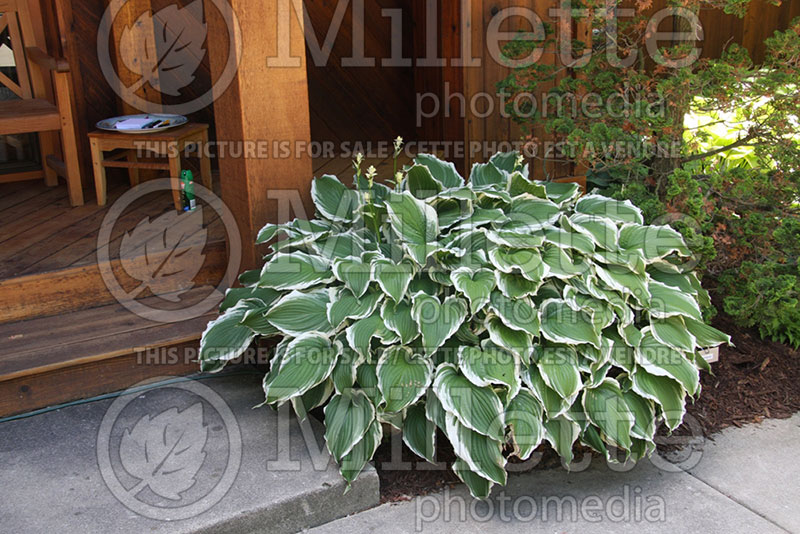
(558, 366)
(662, 360)
(571, 240)
(492, 366)
(562, 433)
(443, 172)
(353, 463)
(348, 416)
(518, 314)
(607, 409)
(402, 377)
(655, 242)
(621, 211)
(560, 265)
(393, 277)
(416, 223)
(644, 415)
(477, 408)
(668, 301)
(298, 313)
(344, 305)
(706, 336)
(420, 182)
(672, 331)
(225, 338)
(562, 324)
(481, 453)
(419, 433)
(354, 272)
(527, 262)
(297, 270)
(360, 333)
(485, 174)
(524, 417)
(625, 281)
(479, 487)
(553, 403)
(475, 285)
(308, 360)
(515, 286)
(516, 341)
(334, 200)
(437, 321)
(666, 392)
(602, 231)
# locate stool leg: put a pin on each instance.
(205, 162)
(99, 172)
(175, 176)
(133, 172)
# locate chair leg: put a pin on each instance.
(69, 138)
(175, 175)
(48, 141)
(99, 172)
(133, 172)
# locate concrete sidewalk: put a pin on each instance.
(747, 480)
(187, 457)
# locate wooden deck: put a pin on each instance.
(63, 335)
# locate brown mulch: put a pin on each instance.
(755, 379)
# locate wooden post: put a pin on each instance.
(263, 104)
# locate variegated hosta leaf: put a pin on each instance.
(561, 193)
(443, 172)
(437, 321)
(602, 231)
(644, 415)
(397, 318)
(666, 392)
(403, 377)
(518, 314)
(519, 185)
(662, 360)
(562, 324)
(297, 270)
(655, 242)
(477, 408)
(515, 286)
(667, 301)
(416, 223)
(419, 433)
(334, 200)
(569, 240)
(672, 332)
(515, 341)
(560, 265)
(625, 281)
(479, 487)
(562, 432)
(298, 313)
(225, 338)
(481, 453)
(362, 452)
(344, 372)
(553, 403)
(308, 360)
(527, 262)
(621, 211)
(485, 174)
(393, 277)
(524, 417)
(558, 367)
(355, 273)
(420, 182)
(530, 214)
(475, 285)
(360, 333)
(344, 305)
(607, 409)
(348, 416)
(493, 366)
(706, 336)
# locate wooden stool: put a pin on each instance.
(167, 144)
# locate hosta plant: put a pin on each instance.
(502, 311)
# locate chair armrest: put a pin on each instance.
(41, 58)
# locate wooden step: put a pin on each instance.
(56, 359)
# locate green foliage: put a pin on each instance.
(502, 311)
(711, 148)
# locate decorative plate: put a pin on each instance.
(142, 124)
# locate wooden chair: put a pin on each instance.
(46, 106)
